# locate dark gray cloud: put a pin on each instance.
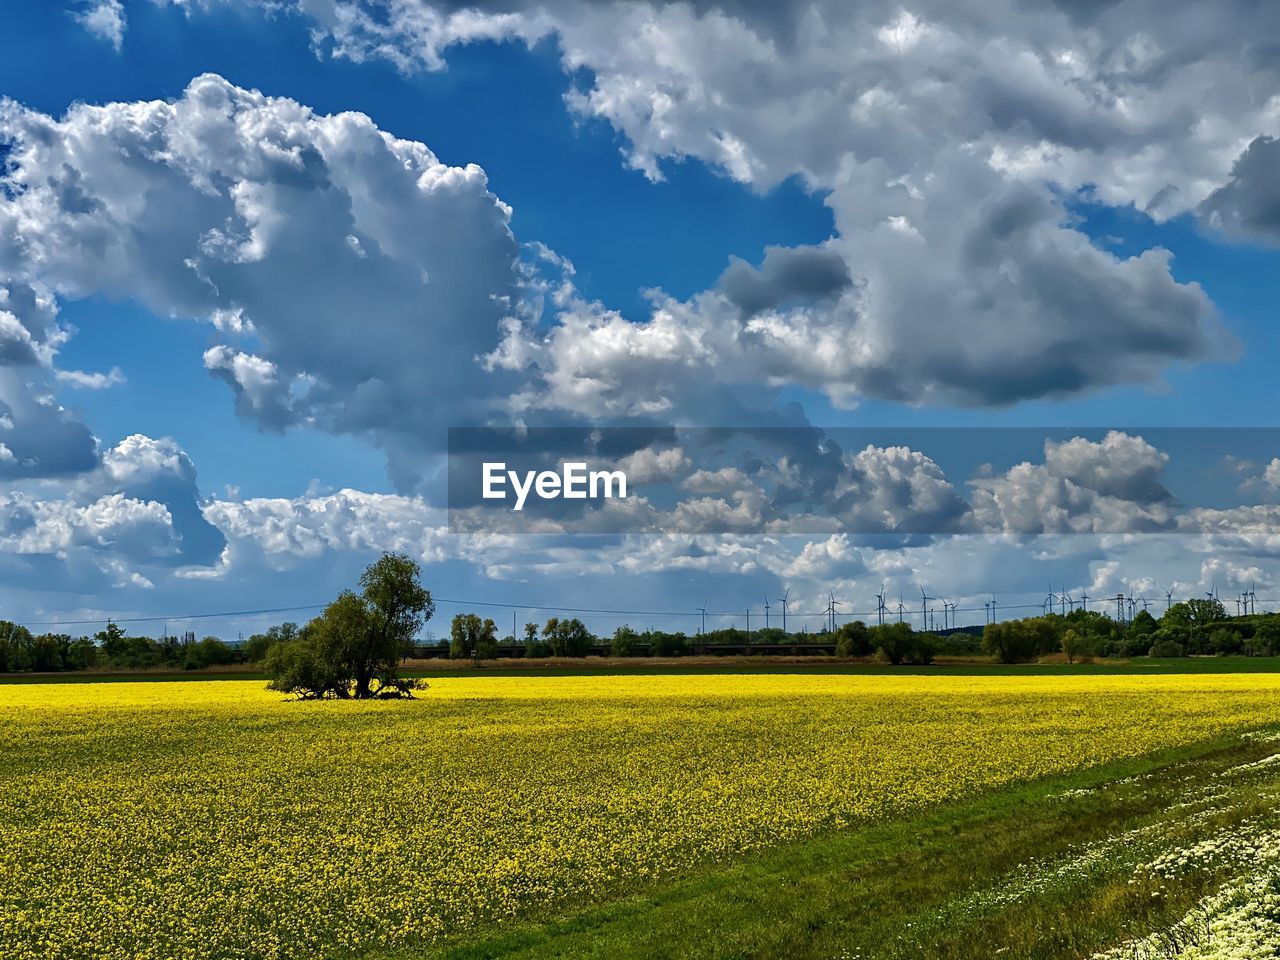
(789, 276)
(1248, 204)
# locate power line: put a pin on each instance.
(555, 608)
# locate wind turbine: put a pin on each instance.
(924, 609)
(783, 600)
(1050, 600)
(1253, 599)
(901, 607)
(703, 610)
(1168, 600)
(834, 603)
(1084, 602)
(880, 606)
(994, 615)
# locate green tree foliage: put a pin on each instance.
(210, 652)
(567, 638)
(663, 644)
(1205, 611)
(354, 648)
(1075, 646)
(1014, 641)
(533, 647)
(898, 643)
(112, 642)
(47, 653)
(15, 647)
(297, 666)
(465, 634)
(82, 654)
(624, 642)
(487, 643)
(256, 647)
(1143, 625)
(853, 639)
(772, 635)
(1167, 648)
(1223, 641)
(1265, 641)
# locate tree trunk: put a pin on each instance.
(362, 687)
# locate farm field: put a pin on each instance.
(750, 815)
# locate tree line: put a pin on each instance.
(355, 646)
(1189, 628)
(21, 651)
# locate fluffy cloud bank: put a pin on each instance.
(353, 279)
(351, 276)
(950, 140)
(136, 516)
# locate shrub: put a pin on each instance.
(1167, 648)
(853, 639)
(666, 644)
(623, 642)
(1073, 645)
(256, 647)
(1224, 642)
(1012, 641)
(892, 641)
(1258, 648)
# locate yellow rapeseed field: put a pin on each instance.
(216, 820)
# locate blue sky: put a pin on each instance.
(653, 168)
(677, 235)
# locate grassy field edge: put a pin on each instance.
(807, 898)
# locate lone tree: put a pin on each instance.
(353, 649)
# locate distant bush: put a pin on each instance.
(1013, 641)
(898, 643)
(853, 639)
(1167, 648)
(1258, 648)
(210, 652)
(624, 642)
(256, 647)
(1075, 646)
(1224, 642)
(957, 643)
(666, 644)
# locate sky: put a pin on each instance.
(257, 258)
